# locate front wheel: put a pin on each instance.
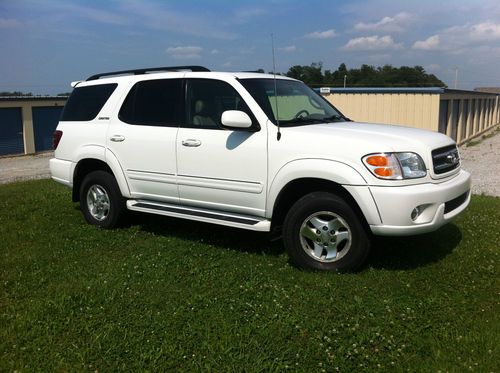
(322, 232)
(101, 201)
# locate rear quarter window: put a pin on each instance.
(85, 102)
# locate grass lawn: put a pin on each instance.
(166, 294)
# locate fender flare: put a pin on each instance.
(117, 170)
(326, 169)
(101, 154)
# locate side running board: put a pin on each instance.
(253, 223)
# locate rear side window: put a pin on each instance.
(153, 103)
(86, 102)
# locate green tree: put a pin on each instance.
(365, 76)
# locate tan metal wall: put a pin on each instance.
(476, 112)
(26, 106)
(409, 109)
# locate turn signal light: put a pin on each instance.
(377, 160)
(384, 171)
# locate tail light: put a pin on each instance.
(56, 137)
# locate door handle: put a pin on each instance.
(117, 138)
(191, 143)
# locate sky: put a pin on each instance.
(46, 44)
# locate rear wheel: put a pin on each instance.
(321, 231)
(101, 201)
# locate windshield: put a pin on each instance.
(295, 104)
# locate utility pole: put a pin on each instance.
(456, 77)
(345, 80)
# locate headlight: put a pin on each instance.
(395, 166)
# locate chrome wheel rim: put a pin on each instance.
(325, 236)
(98, 202)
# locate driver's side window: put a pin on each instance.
(207, 99)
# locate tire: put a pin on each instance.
(101, 201)
(322, 232)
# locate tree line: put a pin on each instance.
(365, 76)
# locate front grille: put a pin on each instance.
(445, 159)
(455, 202)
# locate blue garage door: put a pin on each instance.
(11, 131)
(45, 121)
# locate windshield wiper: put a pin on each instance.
(302, 120)
(335, 118)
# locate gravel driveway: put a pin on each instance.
(481, 160)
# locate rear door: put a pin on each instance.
(144, 135)
(220, 168)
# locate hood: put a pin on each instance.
(373, 137)
(348, 142)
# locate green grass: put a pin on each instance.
(165, 294)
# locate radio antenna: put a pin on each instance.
(278, 136)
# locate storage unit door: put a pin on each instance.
(11, 131)
(45, 121)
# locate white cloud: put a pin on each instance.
(327, 34)
(372, 43)
(227, 64)
(386, 24)
(429, 44)
(462, 39)
(485, 31)
(289, 49)
(9, 23)
(185, 53)
(214, 51)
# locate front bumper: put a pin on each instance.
(439, 204)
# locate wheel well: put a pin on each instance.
(82, 169)
(298, 188)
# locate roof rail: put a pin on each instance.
(148, 70)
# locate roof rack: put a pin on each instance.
(148, 70)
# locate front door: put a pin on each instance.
(219, 168)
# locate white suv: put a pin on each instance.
(252, 151)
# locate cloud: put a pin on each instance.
(289, 49)
(460, 39)
(429, 44)
(185, 53)
(372, 43)
(327, 34)
(9, 23)
(485, 31)
(386, 24)
(214, 51)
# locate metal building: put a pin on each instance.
(460, 114)
(27, 123)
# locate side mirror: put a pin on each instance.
(236, 119)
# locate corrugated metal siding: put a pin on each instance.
(11, 131)
(45, 121)
(461, 115)
(410, 109)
